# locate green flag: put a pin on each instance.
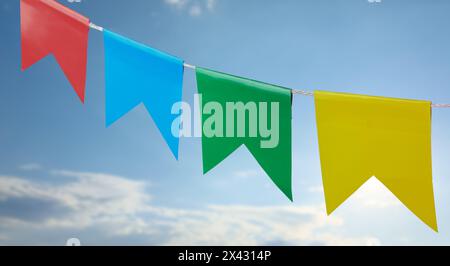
(237, 111)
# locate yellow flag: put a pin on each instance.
(364, 136)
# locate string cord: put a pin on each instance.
(298, 92)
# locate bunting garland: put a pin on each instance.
(359, 136)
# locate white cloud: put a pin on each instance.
(210, 4)
(316, 189)
(247, 173)
(194, 8)
(88, 199)
(30, 167)
(177, 3)
(373, 194)
(250, 225)
(114, 206)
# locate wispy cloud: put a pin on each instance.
(194, 8)
(30, 167)
(372, 194)
(177, 3)
(316, 189)
(247, 173)
(270, 225)
(112, 206)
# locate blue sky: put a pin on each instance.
(63, 174)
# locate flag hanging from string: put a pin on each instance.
(238, 111)
(48, 27)
(138, 74)
(364, 136)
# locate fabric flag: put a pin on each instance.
(222, 95)
(48, 27)
(138, 74)
(390, 139)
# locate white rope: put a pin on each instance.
(440, 105)
(299, 92)
(302, 92)
(95, 27)
(189, 66)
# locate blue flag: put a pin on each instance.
(138, 74)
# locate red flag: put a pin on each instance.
(51, 28)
